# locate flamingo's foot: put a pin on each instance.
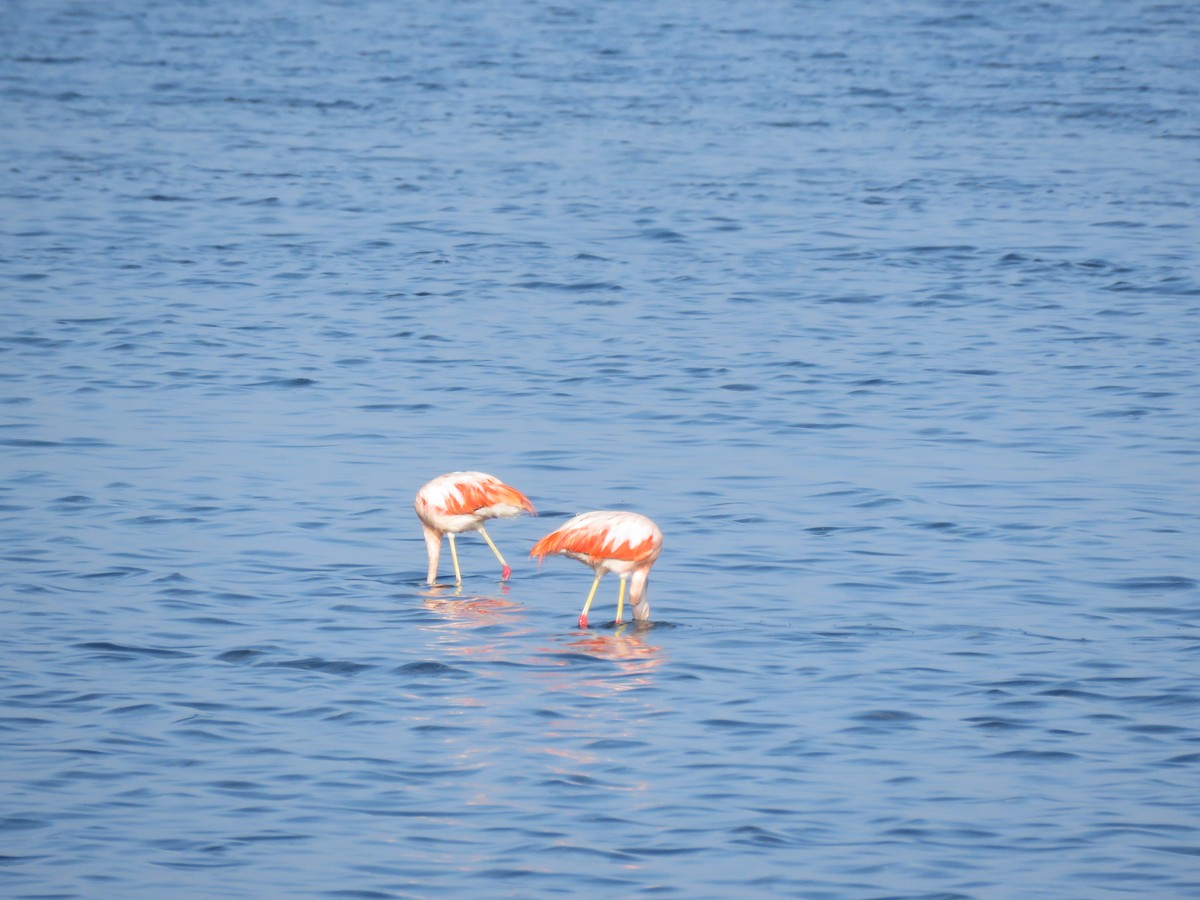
(505, 572)
(583, 621)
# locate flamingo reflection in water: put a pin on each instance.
(629, 649)
(633, 663)
(458, 611)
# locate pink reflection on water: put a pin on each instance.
(469, 612)
(636, 659)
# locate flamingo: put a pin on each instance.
(462, 501)
(609, 541)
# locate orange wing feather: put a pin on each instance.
(467, 492)
(481, 494)
(591, 541)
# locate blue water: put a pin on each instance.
(887, 313)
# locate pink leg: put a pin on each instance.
(505, 568)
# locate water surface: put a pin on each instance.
(887, 313)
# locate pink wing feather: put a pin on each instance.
(603, 535)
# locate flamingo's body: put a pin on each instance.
(463, 501)
(608, 541)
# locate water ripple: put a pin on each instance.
(887, 316)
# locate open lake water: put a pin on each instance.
(887, 312)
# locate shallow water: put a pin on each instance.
(887, 313)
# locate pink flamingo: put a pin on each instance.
(462, 501)
(622, 542)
